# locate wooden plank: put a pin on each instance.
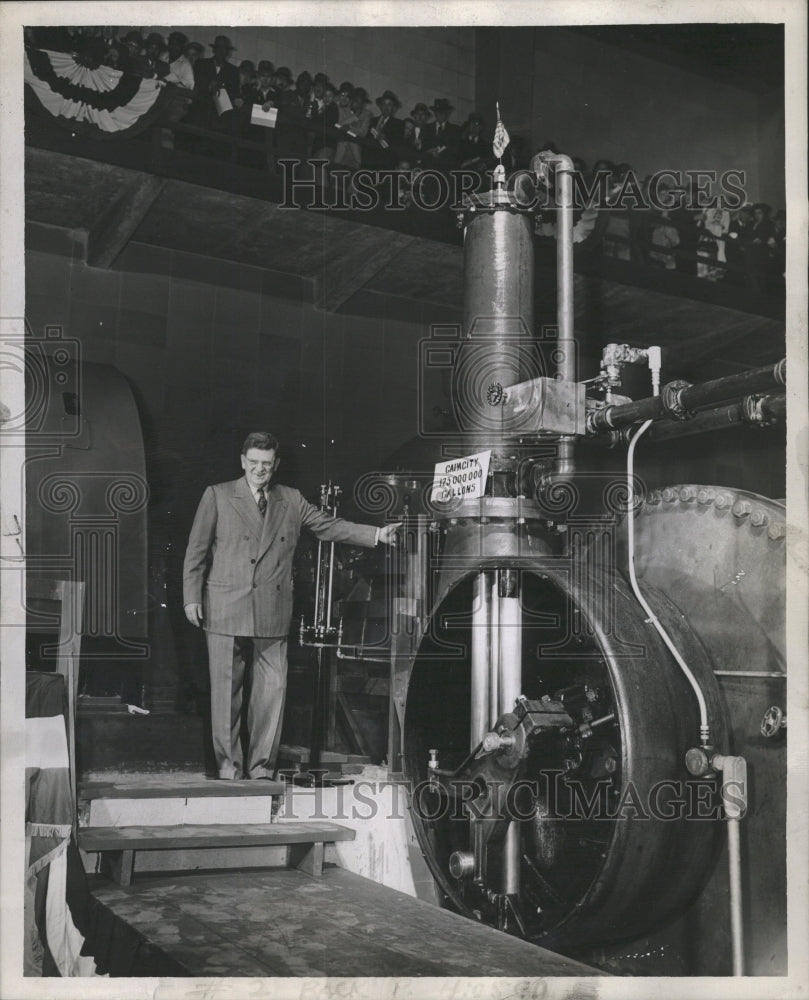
(179, 789)
(117, 225)
(307, 858)
(118, 866)
(164, 838)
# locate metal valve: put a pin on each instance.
(494, 741)
(774, 722)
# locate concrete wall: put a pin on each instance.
(208, 363)
(596, 100)
(418, 64)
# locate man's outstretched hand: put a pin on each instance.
(387, 535)
(193, 612)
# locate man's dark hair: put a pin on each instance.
(262, 440)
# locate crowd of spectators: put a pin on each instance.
(314, 118)
(744, 245)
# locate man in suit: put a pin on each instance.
(440, 144)
(237, 584)
(387, 131)
(212, 76)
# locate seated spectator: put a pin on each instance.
(132, 48)
(421, 115)
(181, 69)
(474, 148)
(318, 86)
(326, 118)
(386, 131)
(407, 147)
(247, 76)
(292, 139)
(263, 90)
(759, 246)
(713, 225)
(148, 63)
(264, 93)
(665, 236)
(440, 146)
(181, 74)
(356, 124)
(175, 46)
(216, 84)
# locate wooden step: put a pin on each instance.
(117, 844)
(179, 789)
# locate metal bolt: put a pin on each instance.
(669, 495)
(706, 496)
(759, 518)
(742, 508)
(610, 764)
(687, 494)
(723, 500)
(654, 497)
(777, 530)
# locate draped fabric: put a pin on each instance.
(101, 100)
(56, 894)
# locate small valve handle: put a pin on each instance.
(774, 722)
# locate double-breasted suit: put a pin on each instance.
(238, 566)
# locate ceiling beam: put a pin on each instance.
(116, 226)
(351, 264)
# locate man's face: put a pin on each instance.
(420, 117)
(386, 107)
(221, 51)
(259, 466)
(265, 80)
(441, 116)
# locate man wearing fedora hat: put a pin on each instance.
(440, 144)
(212, 76)
(386, 130)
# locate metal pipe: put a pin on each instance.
(481, 609)
(566, 341)
(735, 877)
(494, 650)
(510, 642)
(330, 586)
(749, 673)
(766, 409)
(688, 398)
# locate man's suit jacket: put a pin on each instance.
(450, 137)
(392, 132)
(239, 567)
(205, 72)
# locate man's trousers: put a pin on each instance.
(228, 656)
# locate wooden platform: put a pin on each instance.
(280, 922)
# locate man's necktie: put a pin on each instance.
(262, 503)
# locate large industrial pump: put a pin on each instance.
(589, 675)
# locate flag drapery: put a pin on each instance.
(52, 942)
(101, 100)
(501, 136)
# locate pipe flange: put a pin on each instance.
(671, 397)
(753, 411)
